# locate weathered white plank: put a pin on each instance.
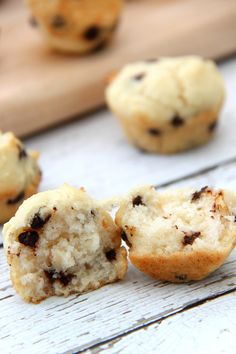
(1, 238)
(110, 311)
(220, 177)
(58, 325)
(209, 328)
(94, 153)
(98, 319)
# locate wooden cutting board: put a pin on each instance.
(39, 88)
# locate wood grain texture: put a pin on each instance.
(39, 88)
(208, 328)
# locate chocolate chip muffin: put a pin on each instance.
(167, 105)
(76, 26)
(62, 242)
(19, 175)
(178, 235)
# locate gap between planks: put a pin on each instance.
(210, 326)
(96, 348)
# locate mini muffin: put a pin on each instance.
(76, 26)
(167, 105)
(62, 242)
(19, 175)
(178, 235)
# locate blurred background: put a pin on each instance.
(40, 87)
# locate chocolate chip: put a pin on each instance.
(38, 221)
(17, 199)
(154, 132)
(92, 33)
(143, 151)
(137, 201)
(181, 277)
(151, 60)
(88, 266)
(214, 208)
(62, 277)
(22, 152)
(197, 195)
(29, 238)
(115, 25)
(111, 255)
(139, 77)
(212, 126)
(93, 213)
(33, 22)
(58, 21)
(234, 218)
(177, 121)
(65, 279)
(99, 47)
(51, 275)
(190, 237)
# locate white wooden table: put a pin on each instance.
(138, 314)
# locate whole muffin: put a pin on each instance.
(76, 26)
(19, 175)
(167, 105)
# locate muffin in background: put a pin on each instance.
(167, 105)
(19, 177)
(76, 26)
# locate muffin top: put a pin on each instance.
(167, 88)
